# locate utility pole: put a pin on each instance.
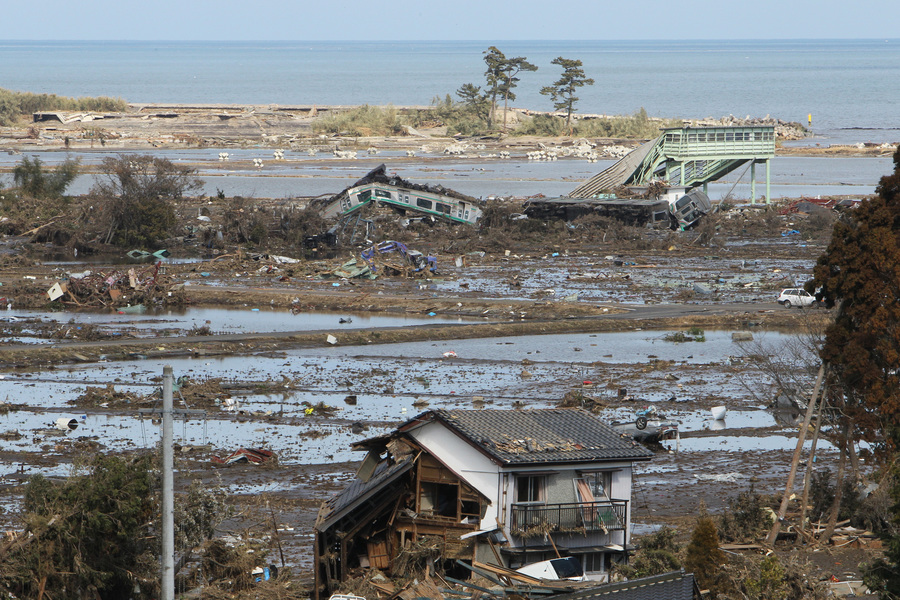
(167, 558)
(168, 491)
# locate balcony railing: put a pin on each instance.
(530, 520)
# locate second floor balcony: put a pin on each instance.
(532, 520)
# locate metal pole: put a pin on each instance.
(752, 182)
(168, 494)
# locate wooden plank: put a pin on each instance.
(378, 556)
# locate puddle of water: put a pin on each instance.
(313, 441)
(222, 320)
(392, 383)
(739, 444)
(619, 347)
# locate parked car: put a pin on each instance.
(797, 297)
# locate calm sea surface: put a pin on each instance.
(851, 87)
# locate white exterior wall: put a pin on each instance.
(461, 457)
(488, 478)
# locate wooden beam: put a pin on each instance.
(779, 517)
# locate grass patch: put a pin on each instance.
(15, 105)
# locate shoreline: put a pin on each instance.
(162, 126)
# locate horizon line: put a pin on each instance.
(436, 41)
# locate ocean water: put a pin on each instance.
(851, 87)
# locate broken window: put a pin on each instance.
(442, 208)
(530, 488)
(423, 203)
(382, 194)
(442, 494)
(364, 195)
(594, 486)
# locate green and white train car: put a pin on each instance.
(431, 203)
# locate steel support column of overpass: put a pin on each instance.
(689, 157)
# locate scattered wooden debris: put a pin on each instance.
(145, 287)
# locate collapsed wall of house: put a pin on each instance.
(404, 510)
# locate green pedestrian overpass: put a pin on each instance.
(688, 157)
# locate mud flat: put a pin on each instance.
(529, 318)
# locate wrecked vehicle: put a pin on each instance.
(456, 486)
(675, 208)
(648, 427)
(557, 568)
(380, 188)
(797, 297)
(413, 258)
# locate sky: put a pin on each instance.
(313, 20)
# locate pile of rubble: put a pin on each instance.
(129, 291)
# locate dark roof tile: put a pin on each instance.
(541, 436)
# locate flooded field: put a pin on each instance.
(479, 173)
(178, 322)
(645, 319)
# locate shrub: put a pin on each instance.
(134, 203)
(542, 125)
(362, 121)
(32, 180)
(746, 519)
(658, 554)
(636, 126)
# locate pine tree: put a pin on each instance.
(883, 575)
(703, 557)
(562, 92)
(860, 274)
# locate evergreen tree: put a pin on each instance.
(508, 80)
(495, 61)
(89, 536)
(562, 92)
(883, 575)
(860, 274)
(475, 101)
(703, 557)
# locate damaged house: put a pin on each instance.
(492, 486)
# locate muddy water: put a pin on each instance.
(384, 385)
(172, 322)
(477, 174)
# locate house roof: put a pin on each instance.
(525, 437)
(358, 491)
(676, 585)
